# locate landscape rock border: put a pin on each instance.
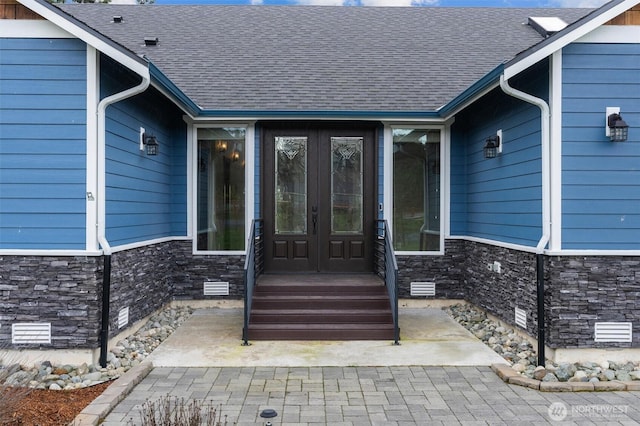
(521, 358)
(511, 376)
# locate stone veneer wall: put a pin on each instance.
(584, 290)
(500, 293)
(67, 291)
(62, 291)
(446, 271)
(147, 278)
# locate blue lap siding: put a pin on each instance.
(600, 179)
(499, 199)
(146, 195)
(42, 143)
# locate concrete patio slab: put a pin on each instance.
(211, 337)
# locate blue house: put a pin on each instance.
(142, 146)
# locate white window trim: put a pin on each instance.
(249, 176)
(444, 181)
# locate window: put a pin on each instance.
(221, 189)
(416, 189)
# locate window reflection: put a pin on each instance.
(221, 189)
(416, 189)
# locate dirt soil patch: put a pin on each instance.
(38, 407)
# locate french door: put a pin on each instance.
(319, 198)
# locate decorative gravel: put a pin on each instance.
(126, 354)
(522, 356)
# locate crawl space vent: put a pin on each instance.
(613, 332)
(423, 289)
(216, 288)
(123, 317)
(31, 333)
(521, 318)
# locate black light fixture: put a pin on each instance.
(617, 128)
(151, 145)
(492, 146)
(268, 413)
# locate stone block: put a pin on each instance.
(504, 371)
(525, 382)
(555, 387)
(581, 386)
(613, 385)
(633, 385)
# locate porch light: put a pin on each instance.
(617, 129)
(492, 146)
(221, 146)
(151, 145)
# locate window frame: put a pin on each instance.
(388, 182)
(249, 180)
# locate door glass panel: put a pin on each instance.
(221, 189)
(291, 185)
(416, 189)
(346, 185)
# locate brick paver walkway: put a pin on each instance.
(376, 395)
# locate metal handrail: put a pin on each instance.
(253, 267)
(387, 268)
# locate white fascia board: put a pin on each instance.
(565, 39)
(128, 61)
(28, 28)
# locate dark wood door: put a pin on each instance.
(319, 198)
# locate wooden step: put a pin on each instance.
(321, 332)
(319, 316)
(320, 302)
(320, 307)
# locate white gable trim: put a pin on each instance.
(23, 28)
(569, 37)
(136, 65)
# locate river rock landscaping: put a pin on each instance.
(126, 354)
(522, 356)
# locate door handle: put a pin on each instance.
(314, 219)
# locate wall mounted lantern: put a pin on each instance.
(493, 145)
(617, 129)
(151, 145)
(148, 143)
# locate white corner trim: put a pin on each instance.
(613, 34)
(92, 100)
(249, 179)
(26, 28)
(555, 150)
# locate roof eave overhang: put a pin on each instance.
(568, 35)
(87, 34)
(164, 84)
(337, 115)
(488, 82)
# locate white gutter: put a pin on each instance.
(546, 163)
(101, 163)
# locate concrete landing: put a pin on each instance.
(211, 337)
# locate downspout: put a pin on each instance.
(545, 118)
(101, 200)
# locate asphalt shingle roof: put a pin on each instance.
(295, 58)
